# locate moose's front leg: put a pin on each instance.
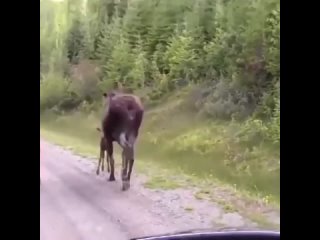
(108, 163)
(124, 170)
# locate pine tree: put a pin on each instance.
(120, 64)
(110, 36)
(75, 41)
(138, 72)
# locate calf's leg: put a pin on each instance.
(100, 159)
(103, 159)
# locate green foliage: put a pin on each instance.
(120, 64)
(84, 81)
(274, 125)
(273, 41)
(137, 73)
(230, 47)
(54, 89)
(109, 36)
(180, 57)
(75, 41)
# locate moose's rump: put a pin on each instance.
(124, 116)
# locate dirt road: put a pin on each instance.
(77, 204)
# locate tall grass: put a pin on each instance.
(176, 140)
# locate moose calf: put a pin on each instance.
(103, 149)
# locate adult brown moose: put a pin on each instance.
(121, 123)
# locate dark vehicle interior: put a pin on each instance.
(231, 235)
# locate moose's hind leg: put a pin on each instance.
(108, 163)
(124, 170)
(129, 157)
(112, 178)
(109, 148)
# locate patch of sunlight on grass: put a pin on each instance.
(72, 143)
(189, 209)
(202, 195)
(226, 206)
(161, 182)
(208, 151)
(263, 222)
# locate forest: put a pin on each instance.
(208, 72)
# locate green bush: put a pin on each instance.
(53, 90)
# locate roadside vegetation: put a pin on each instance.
(208, 72)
